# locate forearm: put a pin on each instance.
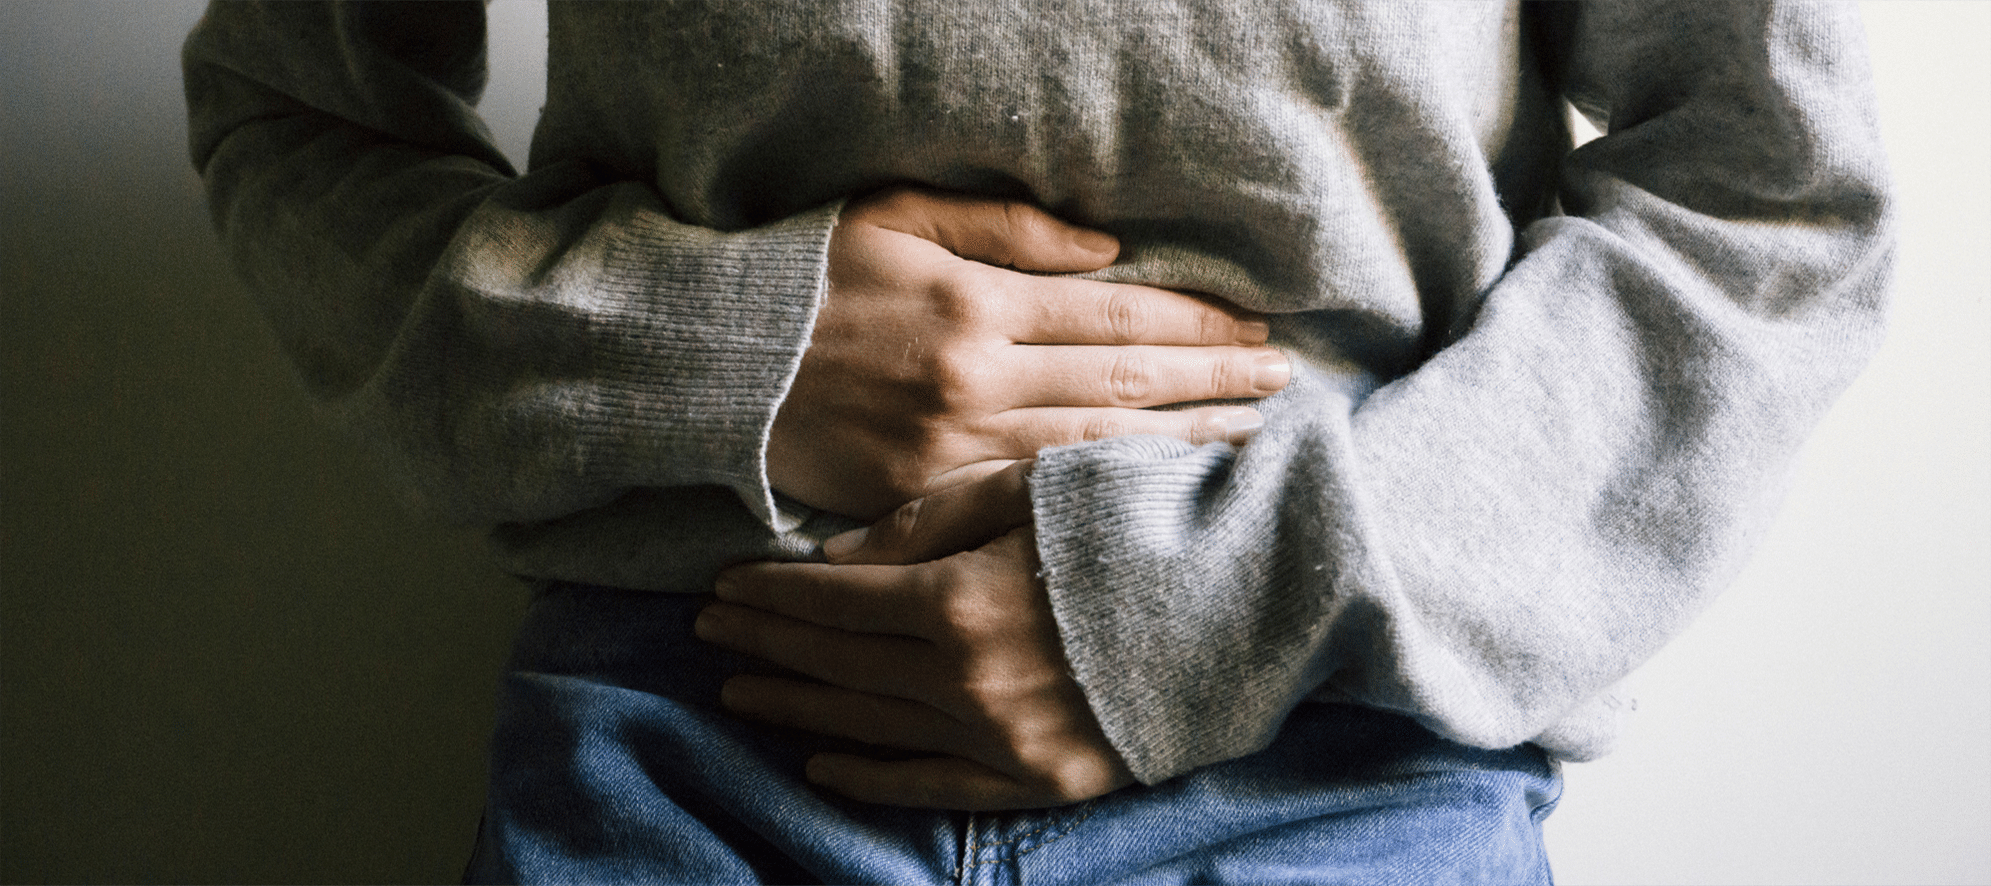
(517, 348)
(1489, 541)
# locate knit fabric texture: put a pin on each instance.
(1544, 399)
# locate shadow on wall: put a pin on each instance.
(228, 657)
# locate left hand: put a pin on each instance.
(944, 346)
(958, 658)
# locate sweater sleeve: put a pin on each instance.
(1490, 541)
(518, 347)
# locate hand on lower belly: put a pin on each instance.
(956, 657)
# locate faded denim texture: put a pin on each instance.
(613, 763)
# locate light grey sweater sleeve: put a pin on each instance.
(1491, 541)
(520, 348)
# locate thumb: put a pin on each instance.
(1008, 233)
(959, 518)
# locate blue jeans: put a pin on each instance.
(612, 762)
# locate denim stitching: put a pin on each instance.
(968, 849)
(1020, 838)
(1089, 808)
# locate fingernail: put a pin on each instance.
(1271, 372)
(844, 544)
(1253, 332)
(1098, 242)
(1239, 426)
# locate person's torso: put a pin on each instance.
(1367, 164)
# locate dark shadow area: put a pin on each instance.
(225, 654)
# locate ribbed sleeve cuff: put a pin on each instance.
(1118, 529)
(704, 331)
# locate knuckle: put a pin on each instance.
(1063, 763)
(1127, 316)
(1022, 225)
(968, 299)
(902, 524)
(1104, 425)
(954, 293)
(996, 699)
(1229, 374)
(1213, 326)
(1131, 379)
(1076, 777)
(960, 378)
(965, 611)
(931, 585)
(969, 616)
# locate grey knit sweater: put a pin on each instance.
(1544, 400)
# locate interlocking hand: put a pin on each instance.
(931, 364)
(957, 659)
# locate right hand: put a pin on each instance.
(932, 364)
(932, 633)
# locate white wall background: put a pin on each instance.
(1829, 720)
(224, 687)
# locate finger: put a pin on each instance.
(1033, 429)
(968, 473)
(928, 783)
(831, 710)
(998, 232)
(956, 519)
(875, 663)
(1065, 311)
(863, 599)
(1140, 375)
